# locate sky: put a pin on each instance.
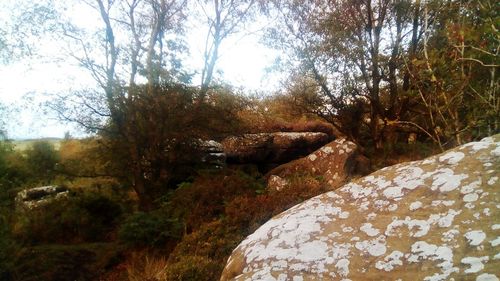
(27, 83)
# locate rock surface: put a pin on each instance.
(39, 196)
(212, 153)
(271, 147)
(435, 219)
(335, 162)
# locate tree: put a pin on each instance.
(24, 23)
(395, 66)
(223, 19)
(454, 74)
(352, 50)
(42, 159)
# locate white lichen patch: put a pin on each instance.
(471, 197)
(417, 228)
(312, 157)
(495, 152)
(452, 157)
(468, 188)
(327, 149)
(423, 251)
(445, 180)
(375, 247)
(378, 182)
(390, 261)
(343, 267)
(475, 237)
(495, 242)
(492, 180)
(475, 264)
(369, 230)
(446, 203)
(420, 228)
(357, 191)
(495, 227)
(392, 207)
(347, 229)
(487, 277)
(415, 205)
(450, 235)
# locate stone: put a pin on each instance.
(212, 153)
(39, 196)
(280, 147)
(433, 219)
(334, 162)
(277, 183)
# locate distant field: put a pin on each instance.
(22, 145)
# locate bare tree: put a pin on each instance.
(223, 18)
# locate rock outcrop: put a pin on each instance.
(212, 153)
(334, 162)
(435, 219)
(39, 196)
(275, 148)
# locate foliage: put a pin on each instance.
(212, 242)
(8, 250)
(148, 230)
(41, 159)
(154, 140)
(202, 254)
(423, 67)
(86, 217)
(194, 268)
(203, 200)
(82, 158)
(65, 262)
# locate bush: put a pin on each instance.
(42, 159)
(8, 248)
(204, 200)
(79, 218)
(149, 229)
(249, 212)
(194, 268)
(65, 262)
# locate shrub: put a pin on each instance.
(42, 159)
(65, 262)
(82, 217)
(249, 212)
(194, 268)
(8, 248)
(149, 229)
(204, 200)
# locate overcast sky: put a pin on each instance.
(25, 83)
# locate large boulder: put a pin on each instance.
(276, 148)
(334, 162)
(435, 219)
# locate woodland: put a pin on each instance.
(402, 79)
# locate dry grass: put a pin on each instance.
(145, 267)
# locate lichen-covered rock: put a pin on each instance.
(435, 219)
(38, 196)
(334, 162)
(278, 147)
